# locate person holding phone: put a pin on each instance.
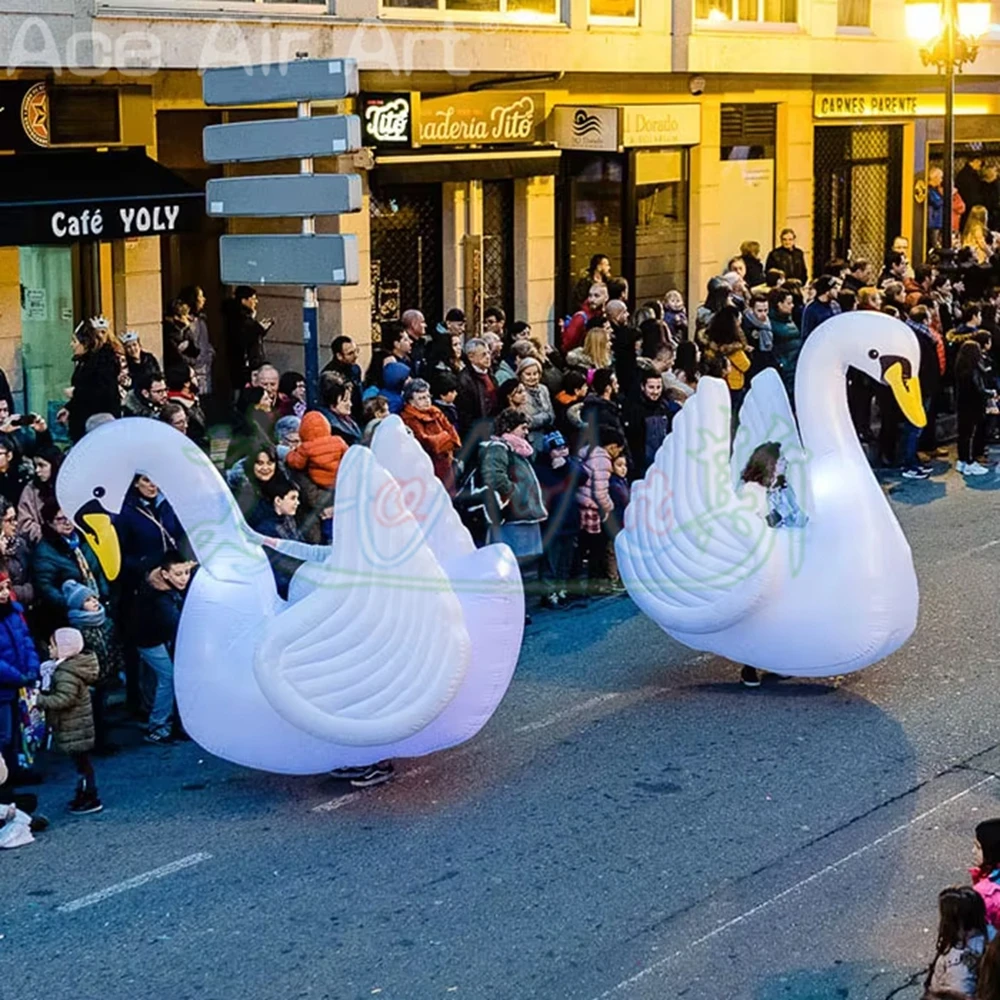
(245, 335)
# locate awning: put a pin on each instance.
(435, 167)
(65, 197)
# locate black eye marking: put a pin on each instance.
(873, 354)
(99, 491)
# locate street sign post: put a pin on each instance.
(308, 259)
(295, 138)
(311, 260)
(284, 195)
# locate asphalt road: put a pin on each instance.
(630, 825)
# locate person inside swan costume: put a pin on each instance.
(398, 640)
(715, 561)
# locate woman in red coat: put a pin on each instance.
(432, 429)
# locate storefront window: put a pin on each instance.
(661, 223)
(595, 216)
(854, 13)
(766, 11)
(520, 10)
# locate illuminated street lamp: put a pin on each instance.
(949, 34)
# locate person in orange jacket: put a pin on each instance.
(432, 429)
(320, 453)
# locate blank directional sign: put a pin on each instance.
(289, 260)
(294, 138)
(298, 195)
(277, 83)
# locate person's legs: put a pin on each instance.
(158, 660)
(979, 438)
(966, 428)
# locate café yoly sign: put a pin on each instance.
(482, 118)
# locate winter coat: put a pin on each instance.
(602, 421)
(787, 344)
(930, 367)
(648, 422)
(146, 365)
(755, 270)
(147, 530)
(971, 394)
(18, 659)
(204, 352)
(435, 434)
(594, 497)
(758, 334)
(739, 362)
(620, 496)
(136, 406)
(512, 478)
(158, 614)
(988, 886)
(559, 493)
(624, 358)
(476, 402)
(569, 418)
(29, 513)
(17, 562)
(815, 313)
(541, 415)
(320, 453)
(576, 329)
(792, 262)
(95, 389)
(179, 345)
(579, 359)
(67, 703)
(351, 374)
(55, 563)
(245, 341)
(264, 519)
(343, 427)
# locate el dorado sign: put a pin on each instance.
(484, 118)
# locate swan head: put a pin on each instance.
(883, 348)
(91, 489)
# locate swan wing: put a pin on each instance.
(694, 553)
(766, 415)
(379, 649)
(423, 494)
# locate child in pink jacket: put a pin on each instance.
(986, 873)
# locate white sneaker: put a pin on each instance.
(975, 469)
(960, 467)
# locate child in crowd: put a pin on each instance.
(675, 314)
(621, 494)
(961, 941)
(596, 507)
(444, 386)
(767, 468)
(560, 476)
(18, 668)
(158, 608)
(319, 456)
(986, 871)
(376, 410)
(66, 681)
(86, 613)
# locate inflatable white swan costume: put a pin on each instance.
(398, 640)
(698, 557)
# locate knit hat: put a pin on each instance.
(554, 439)
(286, 425)
(69, 642)
(988, 835)
(527, 363)
(75, 594)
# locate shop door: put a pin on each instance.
(498, 246)
(858, 202)
(46, 326)
(406, 251)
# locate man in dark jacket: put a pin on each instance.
(146, 397)
(649, 418)
(625, 337)
(788, 258)
(147, 529)
(969, 185)
(600, 413)
(858, 276)
(822, 307)
(560, 475)
(158, 613)
(244, 336)
(930, 384)
(343, 363)
(477, 397)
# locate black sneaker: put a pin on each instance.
(85, 806)
(750, 677)
(349, 773)
(39, 823)
(377, 774)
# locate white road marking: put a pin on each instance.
(568, 713)
(988, 545)
(627, 984)
(338, 803)
(134, 883)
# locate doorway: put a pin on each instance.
(859, 192)
(47, 319)
(498, 245)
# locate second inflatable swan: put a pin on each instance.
(400, 643)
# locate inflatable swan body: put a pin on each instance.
(401, 641)
(698, 557)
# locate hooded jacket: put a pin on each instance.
(67, 703)
(394, 377)
(321, 451)
(18, 659)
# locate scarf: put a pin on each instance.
(518, 445)
(86, 619)
(936, 337)
(763, 330)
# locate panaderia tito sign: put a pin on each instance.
(481, 119)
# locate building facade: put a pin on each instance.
(506, 142)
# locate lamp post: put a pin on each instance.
(949, 32)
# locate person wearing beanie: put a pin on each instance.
(395, 375)
(433, 431)
(286, 432)
(71, 671)
(86, 614)
(537, 401)
(986, 871)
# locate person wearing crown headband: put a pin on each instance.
(95, 376)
